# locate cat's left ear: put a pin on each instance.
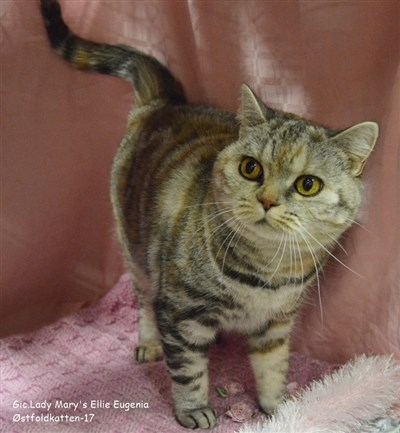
(253, 111)
(358, 141)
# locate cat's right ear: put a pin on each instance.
(253, 111)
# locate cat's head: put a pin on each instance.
(288, 175)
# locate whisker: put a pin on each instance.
(215, 230)
(232, 233)
(207, 204)
(337, 243)
(290, 259)
(317, 276)
(332, 255)
(276, 253)
(301, 262)
(279, 264)
(213, 216)
(240, 231)
(329, 237)
(361, 226)
(227, 249)
(292, 238)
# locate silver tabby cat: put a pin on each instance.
(225, 221)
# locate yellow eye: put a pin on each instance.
(251, 169)
(308, 185)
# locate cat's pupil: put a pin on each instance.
(308, 183)
(250, 167)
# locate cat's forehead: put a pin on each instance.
(293, 131)
(287, 140)
(289, 147)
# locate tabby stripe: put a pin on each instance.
(195, 388)
(224, 232)
(249, 280)
(203, 168)
(176, 363)
(190, 313)
(261, 331)
(145, 164)
(171, 350)
(298, 281)
(201, 348)
(222, 246)
(209, 321)
(164, 305)
(269, 346)
(244, 278)
(342, 203)
(254, 281)
(185, 380)
(227, 301)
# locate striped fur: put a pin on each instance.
(209, 249)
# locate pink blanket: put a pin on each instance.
(78, 375)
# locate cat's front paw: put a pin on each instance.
(148, 353)
(204, 417)
(269, 405)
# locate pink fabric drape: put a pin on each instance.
(334, 62)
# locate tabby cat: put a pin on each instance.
(224, 220)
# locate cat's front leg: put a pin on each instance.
(269, 357)
(185, 346)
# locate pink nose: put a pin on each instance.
(267, 203)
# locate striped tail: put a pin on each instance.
(149, 77)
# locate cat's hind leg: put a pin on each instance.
(149, 347)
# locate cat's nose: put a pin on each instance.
(267, 203)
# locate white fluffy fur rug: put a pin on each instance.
(362, 397)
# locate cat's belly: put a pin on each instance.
(260, 306)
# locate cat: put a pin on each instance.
(224, 220)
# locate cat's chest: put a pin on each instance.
(260, 305)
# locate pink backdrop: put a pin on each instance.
(334, 62)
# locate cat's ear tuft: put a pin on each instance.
(253, 111)
(358, 141)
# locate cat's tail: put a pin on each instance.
(150, 78)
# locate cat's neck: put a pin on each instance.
(268, 248)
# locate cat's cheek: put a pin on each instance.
(225, 192)
(229, 186)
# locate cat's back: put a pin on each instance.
(164, 141)
(164, 165)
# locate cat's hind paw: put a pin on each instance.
(148, 353)
(203, 418)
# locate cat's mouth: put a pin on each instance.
(275, 225)
(262, 221)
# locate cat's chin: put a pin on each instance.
(264, 230)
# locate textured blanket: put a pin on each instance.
(78, 375)
(362, 397)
